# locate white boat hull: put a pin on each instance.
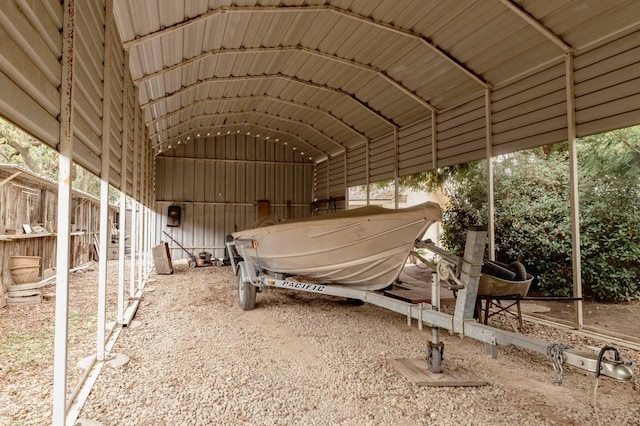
(363, 248)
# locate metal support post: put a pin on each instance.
(65, 160)
(573, 182)
(105, 231)
(489, 157)
(396, 193)
(122, 225)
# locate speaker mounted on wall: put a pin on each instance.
(173, 216)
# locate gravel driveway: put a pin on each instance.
(297, 359)
(304, 359)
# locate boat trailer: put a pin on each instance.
(461, 274)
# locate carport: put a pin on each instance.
(211, 106)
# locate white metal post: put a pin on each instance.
(142, 217)
(396, 192)
(64, 217)
(134, 201)
(573, 182)
(366, 171)
(122, 225)
(105, 231)
(489, 156)
(328, 180)
(346, 183)
(147, 231)
(434, 144)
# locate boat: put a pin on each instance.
(364, 248)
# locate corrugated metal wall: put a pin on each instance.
(217, 181)
(87, 97)
(526, 113)
(460, 133)
(530, 112)
(321, 180)
(611, 101)
(381, 158)
(30, 77)
(357, 166)
(30, 70)
(336, 176)
(415, 147)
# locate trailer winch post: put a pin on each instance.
(469, 276)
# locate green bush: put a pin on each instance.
(532, 219)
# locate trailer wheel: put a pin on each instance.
(246, 292)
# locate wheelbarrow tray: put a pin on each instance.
(494, 286)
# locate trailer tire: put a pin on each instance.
(246, 292)
(496, 269)
(520, 271)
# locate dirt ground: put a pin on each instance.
(26, 342)
(619, 318)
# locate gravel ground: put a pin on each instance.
(298, 358)
(306, 359)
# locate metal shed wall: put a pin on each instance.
(415, 148)
(530, 112)
(217, 181)
(460, 133)
(381, 158)
(527, 112)
(321, 180)
(30, 77)
(337, 176)
(607, 85)
(357, 166)
(88, 89)
(30, 70)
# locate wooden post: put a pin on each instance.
(470, 276)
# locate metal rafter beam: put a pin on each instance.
(258, 97)
(317, 86)
(185, 135)
(314, 9)
(539, 26)
(254, 112)
(279, 49)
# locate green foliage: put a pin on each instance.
(17, 147)
(532, 217)
(467, 207)
(610, 213)
(433, 180)
(532, 213)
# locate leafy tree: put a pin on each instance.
(533, 215)
(610, 213)
(17, 147)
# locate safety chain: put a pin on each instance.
(555, 351)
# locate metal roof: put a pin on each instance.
(335, 73)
